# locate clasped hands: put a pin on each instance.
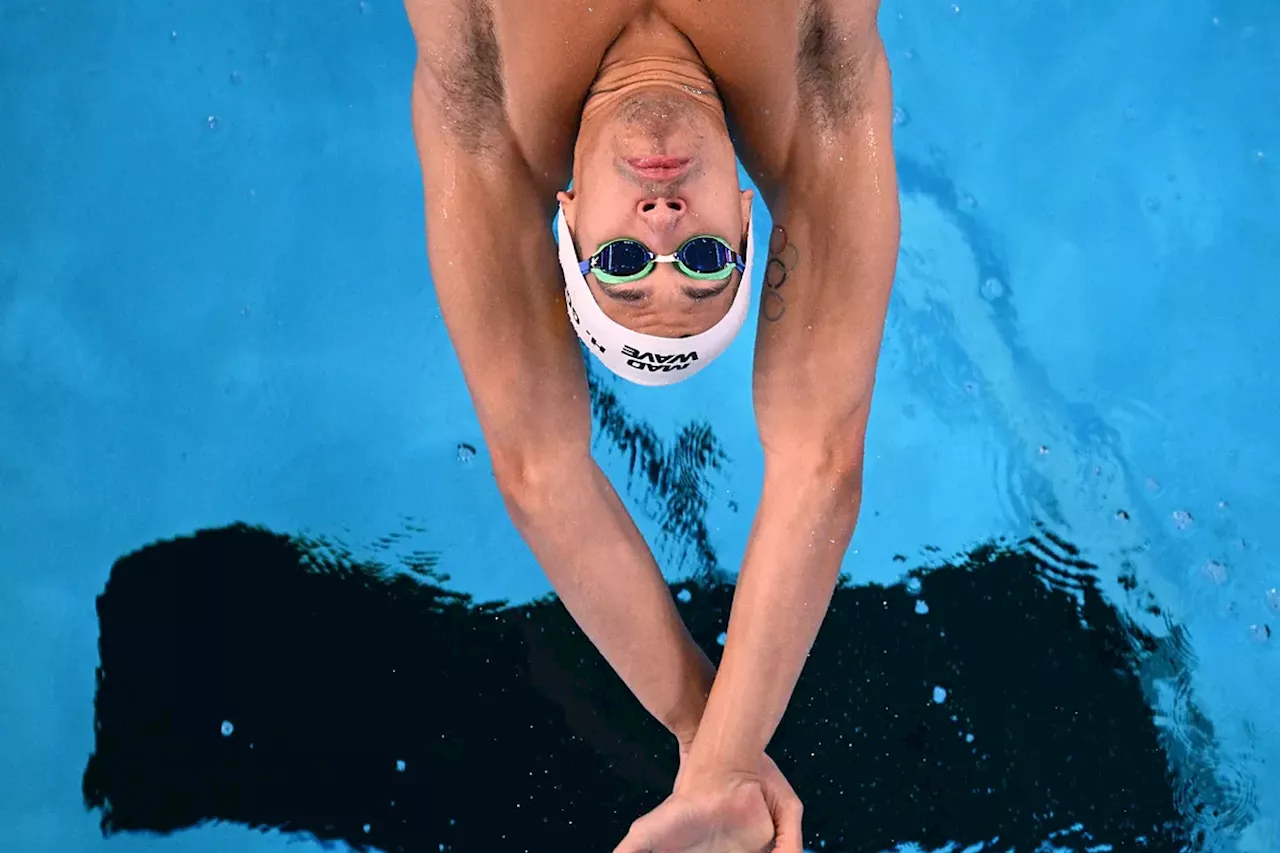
(719, 809)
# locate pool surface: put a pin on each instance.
(259, 591)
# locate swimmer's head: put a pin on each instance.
(656, 164)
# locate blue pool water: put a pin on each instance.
(215, 308)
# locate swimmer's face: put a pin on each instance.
(660, 169)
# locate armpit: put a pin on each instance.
(831, 62)
(462, 67)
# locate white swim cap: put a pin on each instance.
(646, 359)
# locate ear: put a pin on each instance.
(748, 196)
(568, 204)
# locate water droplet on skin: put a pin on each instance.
(720, 640)
(921, 607)
(939, 695)
(684, 595)
(1259, 633)
(913, 586)
(992, 289)
(1182, 519)
(227, 728)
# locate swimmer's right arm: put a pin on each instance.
(498, 282)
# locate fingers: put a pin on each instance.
(634, 842)
(787, 812)
(787, 820)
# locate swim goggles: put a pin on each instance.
(625, 260)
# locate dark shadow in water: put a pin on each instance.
(514, 735)
(676, 478)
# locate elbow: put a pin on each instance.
(529, 479)
(832, 462)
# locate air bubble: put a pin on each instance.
(400, 766)
(1259, 633)
(968, 738)
(1151, 203)
(1214, 571)
(913, 586)
(366, 828)
(1182, 519)
(955, 8)
(684, 595)
(1044, 450)
(969, 203)
(992, 289)
(212, 122)
(227, 728)
(901, 118)
(1273, 599)
(939, 695)
(234, 77)
(720, 640)
(466, 452)
(1121, 515)
(921, 607)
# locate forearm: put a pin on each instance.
(600, 566)
(802, 530)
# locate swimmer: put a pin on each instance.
(580, 165)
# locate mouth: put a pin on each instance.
(659, 168)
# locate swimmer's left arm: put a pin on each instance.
(827, 282)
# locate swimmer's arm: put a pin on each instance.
(814, 372)
(500, 292)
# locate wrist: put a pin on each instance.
(717, 751)
(685, 718)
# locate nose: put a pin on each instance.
(660, 213)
